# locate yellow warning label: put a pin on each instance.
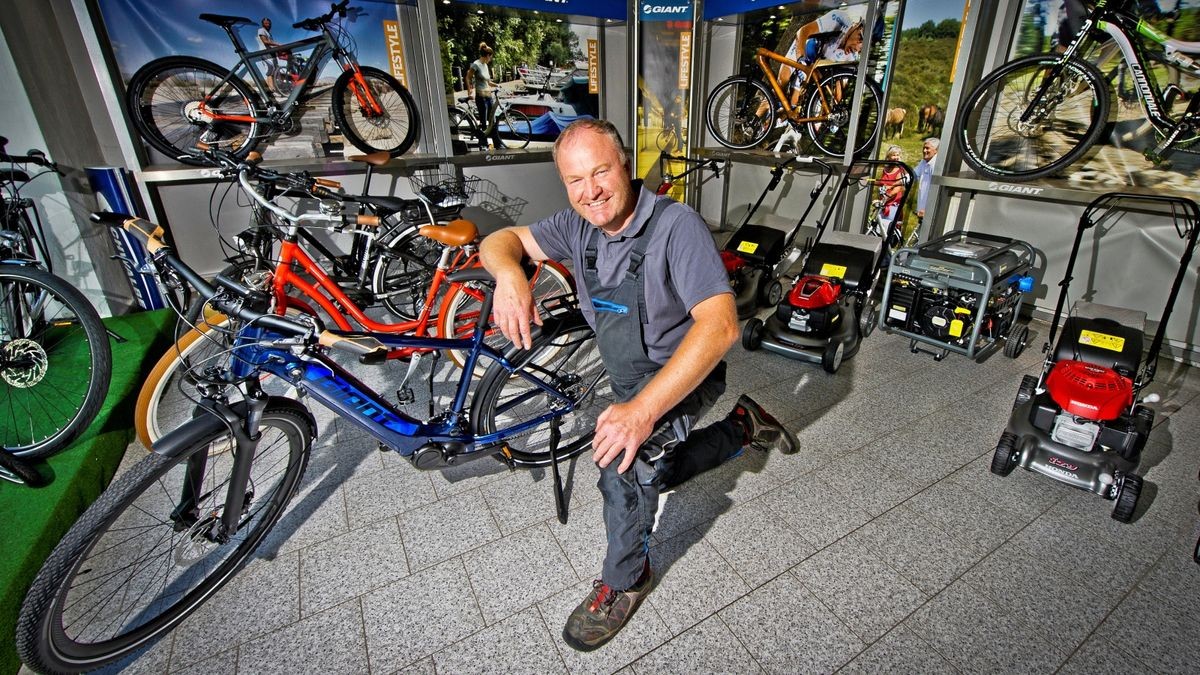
(956, 327)
(831, 270)
(1103, 341)
(747, 247)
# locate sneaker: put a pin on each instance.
(604, 612)
(763, 431)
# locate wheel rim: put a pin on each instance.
(378, 131)
(734, 115)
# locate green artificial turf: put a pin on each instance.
(33, 520)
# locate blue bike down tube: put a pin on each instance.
(348, 398)
(115, 193)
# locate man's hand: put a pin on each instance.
(622, 428)
(513, 308)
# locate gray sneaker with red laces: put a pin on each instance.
(604, 612)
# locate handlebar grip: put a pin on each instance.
(325, 182)
(369, 350)
(368, 221)
(150, 234)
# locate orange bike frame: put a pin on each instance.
(761, 55)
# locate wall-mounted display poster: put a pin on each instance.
(1112, 121)
(517, 77)
(293, 94)
(811, 49)
(663, 81)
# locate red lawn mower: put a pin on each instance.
(829, 310)
(1081, 422)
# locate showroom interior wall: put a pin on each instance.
(52, 102)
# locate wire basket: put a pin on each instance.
(446, 188)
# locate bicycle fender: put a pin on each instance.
(205, 424)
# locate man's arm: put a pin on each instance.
(512, 303)
(623, 427)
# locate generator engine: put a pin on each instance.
(948, 315)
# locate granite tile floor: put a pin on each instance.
(884, 545)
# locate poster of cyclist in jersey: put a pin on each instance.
(140, 31)
(1119, 158)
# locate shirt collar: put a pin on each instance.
(641, 212)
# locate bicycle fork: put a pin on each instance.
(188, 515)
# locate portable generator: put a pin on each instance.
(961, 292)
(1081, 422)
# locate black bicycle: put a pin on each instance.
(178, 101)
(55, 360)
(1037, 115)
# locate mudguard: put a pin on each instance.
(206, 424)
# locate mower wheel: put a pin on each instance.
(831, 358)
(868, 319)
(752, 334)
(1015, 343)
(1006, 455)
(1127, 497)
(1026, 392)
(772, 293)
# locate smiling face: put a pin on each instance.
(597, 180)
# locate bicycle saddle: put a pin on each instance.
(458, 232)
(374, 159)
(226, 21)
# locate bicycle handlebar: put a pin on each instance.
(33, 156)
(229, 297)
(337, 9)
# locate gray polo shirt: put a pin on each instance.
(681, 268)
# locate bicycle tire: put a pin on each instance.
(69, 603)
(520, 129)
(394, 130)
(404, 271)
(504, 399)
(20, 469)
(163, 98)
(462, 127)
(830, 136)
(1002, 150)
(55, 362)
(460, 310)
(731, 112)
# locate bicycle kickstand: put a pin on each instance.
(560, 502)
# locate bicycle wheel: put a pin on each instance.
(170, 101)
(505, 400)
(832, 101)
(739, 113)
(393, 128)
(144, 556)
(1063, 124)
(55, 362)
(550, 283)
(520, 128)
(462, 127)
(404, 272)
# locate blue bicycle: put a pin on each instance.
(169, 532)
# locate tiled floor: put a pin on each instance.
(884, 545)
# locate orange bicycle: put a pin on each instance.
(741, 111)
(160, 405)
